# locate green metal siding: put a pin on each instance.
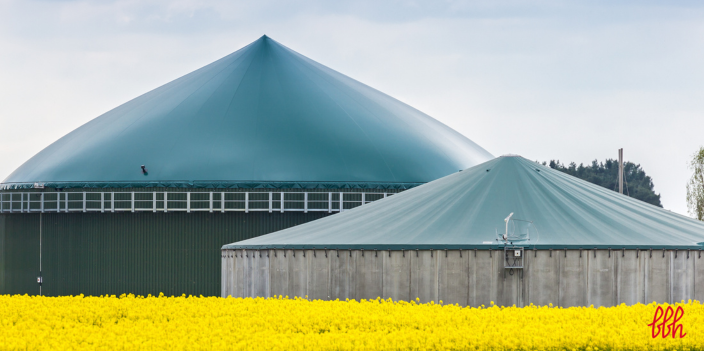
(142, 253)
(19, 248)
(2, 253)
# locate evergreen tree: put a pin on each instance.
(636, 183)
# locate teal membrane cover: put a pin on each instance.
(466, 210)
(261, 117)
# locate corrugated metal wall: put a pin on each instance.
(19, 254)
(113, 253)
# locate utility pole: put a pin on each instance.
(620, 171)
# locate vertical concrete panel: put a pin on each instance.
(698, 276)
(260, 273)
(229, 273)
(224, 276)
(297, 273)
(352, 269)
(682, 276)
(278, 272)
(247, 277)
(238, 277)
(318, 275)
(397, 275)
(542, 276)
(453, 277)
(482, 280)
(629, 277)
(573, 278)
(657, 276)
(340, 275)
(424, 275)
(369, 276)
(601, 276)
(232, 267)
(509, 290)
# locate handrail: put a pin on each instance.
(186, 201)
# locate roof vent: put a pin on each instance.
(510, 155)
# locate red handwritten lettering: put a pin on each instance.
(664, 329)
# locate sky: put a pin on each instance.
(565, 80)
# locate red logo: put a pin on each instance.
(665, 328)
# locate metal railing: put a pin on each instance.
(155, 201)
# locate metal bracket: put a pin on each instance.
(550, 252)
(362, 252)
(445, 252)
(623, 252)
(460, 253)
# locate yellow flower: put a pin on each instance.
(281, 323)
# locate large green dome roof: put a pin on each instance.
(263, 116)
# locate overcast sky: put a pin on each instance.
(563, 80)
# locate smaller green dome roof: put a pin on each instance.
(465, 210)
(263, 116)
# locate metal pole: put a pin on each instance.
(620, 171)
(40, 254)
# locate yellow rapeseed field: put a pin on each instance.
(211, 323)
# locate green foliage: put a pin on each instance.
(695, 186)
(636, 183)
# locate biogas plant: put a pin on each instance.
(266, 173)
(508, 231)
(140, 199)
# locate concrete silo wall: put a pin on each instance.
(468, 277)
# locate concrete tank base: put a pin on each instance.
(468, 277)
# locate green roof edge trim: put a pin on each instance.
(215, 185)
(410, 247)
